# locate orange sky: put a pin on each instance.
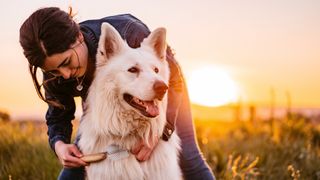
(261, 44)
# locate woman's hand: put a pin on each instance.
(142, 151)
(69, 155)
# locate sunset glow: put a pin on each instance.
(211, 86)
(263, 44)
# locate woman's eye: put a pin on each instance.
(156, 70)
(66, 63)
(54, 73)
(133, 70)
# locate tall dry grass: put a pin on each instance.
(25, 153)
(289, 149)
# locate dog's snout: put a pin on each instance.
(160, 86)
(160, 89)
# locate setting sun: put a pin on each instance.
(211, 86)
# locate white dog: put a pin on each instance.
(127, 102)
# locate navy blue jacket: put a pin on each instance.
(64, 90)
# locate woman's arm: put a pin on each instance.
(59, 120)
(192, 162)
(60, 126)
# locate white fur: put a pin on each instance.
(108, 119)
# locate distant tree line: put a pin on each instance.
(4, 116)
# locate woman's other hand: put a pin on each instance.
(69, 155)
(142, 151)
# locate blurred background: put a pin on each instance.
(252, 69)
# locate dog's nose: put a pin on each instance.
(160, 89)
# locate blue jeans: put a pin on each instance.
(72, 174)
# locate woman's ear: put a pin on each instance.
(80, 37)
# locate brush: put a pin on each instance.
(113, 152)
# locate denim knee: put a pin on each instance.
(72, 173)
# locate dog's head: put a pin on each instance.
(136, 78)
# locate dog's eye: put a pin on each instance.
(156, 70)
(133, 70)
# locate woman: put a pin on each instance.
(65, 52)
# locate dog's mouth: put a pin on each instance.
(146, 108)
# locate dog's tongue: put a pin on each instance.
(151, 108)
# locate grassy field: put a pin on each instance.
(285, 149)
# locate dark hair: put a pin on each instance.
(45, 32)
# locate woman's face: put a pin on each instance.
(71, 63)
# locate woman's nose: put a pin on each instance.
(65, 72)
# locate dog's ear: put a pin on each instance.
(110, 42)
(157, 40)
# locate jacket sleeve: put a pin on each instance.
(59, 120)
(134, 32)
